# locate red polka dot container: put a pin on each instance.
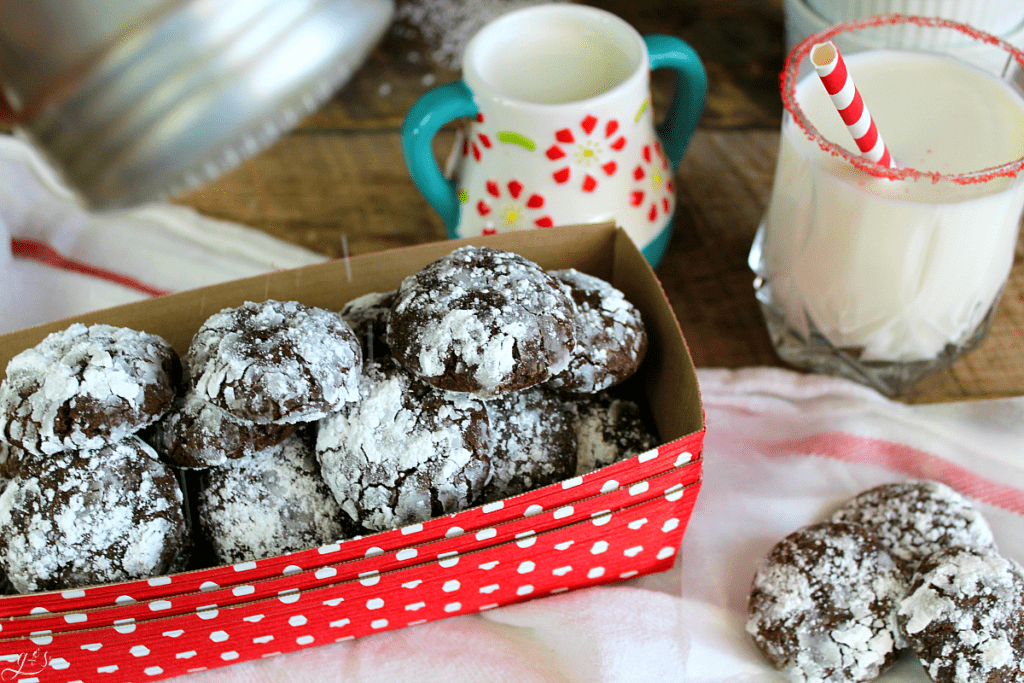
(609, 525)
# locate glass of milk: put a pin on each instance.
(880, 274)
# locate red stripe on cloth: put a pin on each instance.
(835, 81)
(44, 253)
(900, 458)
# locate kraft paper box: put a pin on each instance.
(615, 523)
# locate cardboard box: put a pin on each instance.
(612, 524)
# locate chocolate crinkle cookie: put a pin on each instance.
(196, 434)
(964, 616)
(275, 361)
(84, 388)
(482, 321)
(608, 429)
(610, 338)
(916, 518)
(823, 605)
(368, 317)
(268, 503)
(533, 442)
(84, 518)
(405, 452)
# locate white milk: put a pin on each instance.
(896, 268)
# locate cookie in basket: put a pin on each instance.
(916, 518)
(533, 442)
(610, 338)
(608, 429)
(368, 317)
(86, 388)
(275, 361)
(482, 321)
(196, 434)
(964, 616)
(405, 452)
(823, 604)
(89, 517)
(268, 503)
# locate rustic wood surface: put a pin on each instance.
(341, 174)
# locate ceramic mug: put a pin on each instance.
(560, 127)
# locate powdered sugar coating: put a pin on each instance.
(83, 388)
(482, 321)
(368, 317)
(964, 617)
(197, 434)
(83, 518)
(610, 338)
(271, 502)
(533, 442)
(823, 605)
(275, 361)
(916, 518)
(608, 429)
(405, 452)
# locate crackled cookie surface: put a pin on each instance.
(83, 518)
(916, 518)
(271, 502)
(86, 387)
(197, 434)
(482, 321)
(275, 361)
(610, 338)
(964, 617)
(823, 605)
(368, 317)
(533, 442)
(608, 429)
(405, 452)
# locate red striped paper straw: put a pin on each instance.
(840, 87)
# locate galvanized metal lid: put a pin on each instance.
(145, 100)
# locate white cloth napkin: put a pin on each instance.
(782, 450)
(58, 260)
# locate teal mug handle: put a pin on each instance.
(684, 112)
(431, 112)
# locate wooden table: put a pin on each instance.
(341, 174)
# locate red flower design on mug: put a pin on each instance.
(590, 151)
(474, 144)
(654, 183)
(515, 209)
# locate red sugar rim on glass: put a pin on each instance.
(801, 52)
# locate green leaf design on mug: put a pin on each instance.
(516, 139)
(643, 108)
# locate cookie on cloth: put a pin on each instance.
(196, 434)
(82, 518)
(608, 429)
(533, 442)
(823, 604)
(916, 518)
(964, 616)
(610, 338)
(482, 321)
(275, 361)
(86, 387)
(368, 317)
(405, 452)
(268, 503)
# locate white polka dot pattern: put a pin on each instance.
(625, 520)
